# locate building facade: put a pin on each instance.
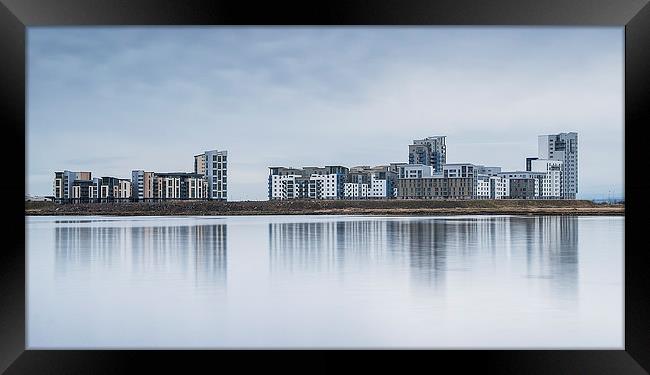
(464, 171)
(281, 182)
(365, 182)
(180, 186)
(524, 184)
(522, 188)
(209, 181)
(490, 171)
(107, 188)
(436, 187)
(216, 173)
(528, 163)
(483, 187)
(142, 185)
(552, 184)
(455, 181)
(123, 189)
(197, 186)
(199, 164)
(307, 183)
(415, 171)
(430, 151)
(64, 182)
(562, 147)
(83, 191)
(499, 187)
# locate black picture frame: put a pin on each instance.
(634, 15)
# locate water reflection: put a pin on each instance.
(325, 281)
(330, 245)
(552, 252)
(427, 249)
(195, 252)
(431, 248)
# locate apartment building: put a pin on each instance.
(456, 181)
(307, 183)
(562, 147)
(142, 185)
(524, 184)
(107, 188)
(197, 186)
(64, 182)
(431, 187)
(394, 167)
(93, 190)
(83, 191)
(436, 187)
(365, 182)
(528, 162)
(209, 181)
(214, 164)
(490, 185)
(199, 164)
(465, 177)
(281, 182)
(490, 171)
(79, 187)
(552, 184)
(430, 151)
(483, 186)
(357, 184)
(180, 185)
(154, 186)
(523, 188)
(499, 187)
(415, 171)
(355, 190)
(122, 191)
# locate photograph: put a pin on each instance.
(325, 187)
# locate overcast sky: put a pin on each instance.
(110, 100)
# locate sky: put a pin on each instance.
(113, 99)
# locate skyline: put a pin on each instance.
(348, 96)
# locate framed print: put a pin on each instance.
(457, 178)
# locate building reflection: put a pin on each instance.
(552, 253)
(431, 248)
(426, 244)
(193, 252)
(328, 245)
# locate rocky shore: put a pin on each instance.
(339, 207)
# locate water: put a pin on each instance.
(325, 281)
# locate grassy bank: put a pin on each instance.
(312, 207)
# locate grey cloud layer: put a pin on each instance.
(153, 97)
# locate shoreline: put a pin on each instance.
(341, 207)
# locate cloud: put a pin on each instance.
(124, 98)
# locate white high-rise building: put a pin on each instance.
(214, 165)
(562, 147)
(552, 182)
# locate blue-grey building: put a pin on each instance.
(430, 151)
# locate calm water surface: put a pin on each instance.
(325, 281)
